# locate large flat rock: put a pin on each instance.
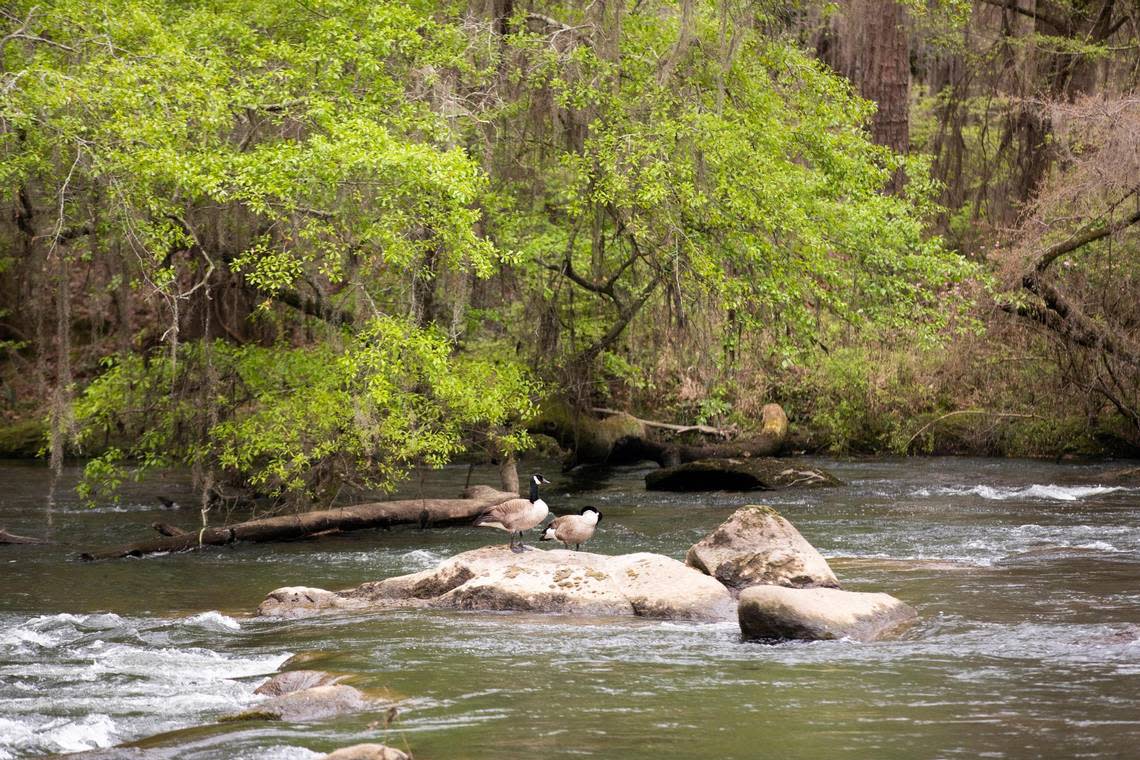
(774, 613)
(738, 474)
(756, 545)
(557, 581)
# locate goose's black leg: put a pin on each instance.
(517, 548)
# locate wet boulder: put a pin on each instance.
(776, 613)
(557, 581)
(756, 545)
(307, 705)
(738, 474)
(295, 680)
(301, 601)
(367, 752)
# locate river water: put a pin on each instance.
(1026, 576)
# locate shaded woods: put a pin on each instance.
(303, 251)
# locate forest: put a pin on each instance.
(303, 248)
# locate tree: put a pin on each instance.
(699, 167)
(320, 242)
(869, 43)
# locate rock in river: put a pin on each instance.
(760, 474)
(295, 680)
(367, 752)
(558, 581)
(305, 705)
(775, 613)
(756, 545)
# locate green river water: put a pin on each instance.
(1026, 576)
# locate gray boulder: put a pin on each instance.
(558, 581)
(772, 613)
(758, 546)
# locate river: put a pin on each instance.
(1026, 576)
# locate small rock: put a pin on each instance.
(755, 546)
(759, 474)
(301, 601)
(295, 680)
(367, 752)
(315, 703)
(775, 613)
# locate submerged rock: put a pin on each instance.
(557, 581)
(367, 752)
(302, 601)
(775, 613)
(756, 545)
(295, 680)
(306, 705)
(760, 474)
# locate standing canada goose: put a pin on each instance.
(517, 515)
(573, 529)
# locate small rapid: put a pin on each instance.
(81, 682)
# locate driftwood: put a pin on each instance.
(12, 538)
(422, 512)
(167, 529)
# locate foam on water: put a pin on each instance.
(420, 559)
(1036, 491)
(213, 620)
(109, 679)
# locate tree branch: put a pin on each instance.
(1090, 234)
(628, 312)
(1033, 13)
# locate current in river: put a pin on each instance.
(1026, 576)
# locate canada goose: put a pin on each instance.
(573, 529)
(517, 515)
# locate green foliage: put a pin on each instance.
(304, 422)
(292, 120)
(369, 164)
(743, 181)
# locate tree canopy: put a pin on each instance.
(313, 244)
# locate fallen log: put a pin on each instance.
(621, 438)
(382, 514)
(167, 529)
(12, 538)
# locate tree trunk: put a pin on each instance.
(509, 474)
(869, 43)
(422, 512)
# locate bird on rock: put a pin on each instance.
(573, 529)
(517, 515)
